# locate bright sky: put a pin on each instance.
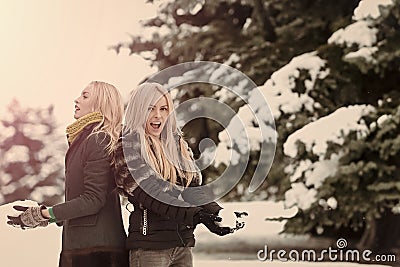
(50, 50)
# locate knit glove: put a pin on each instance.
(30, 217)
(210, 221)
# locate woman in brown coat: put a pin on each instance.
(93, 232)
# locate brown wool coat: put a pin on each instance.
(91, 213)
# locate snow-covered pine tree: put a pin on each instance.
(329, 70)
(345, 168)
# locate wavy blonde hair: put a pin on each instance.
(108, 101)
(165, 155)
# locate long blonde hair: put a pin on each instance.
(168, 155)
(108, 101)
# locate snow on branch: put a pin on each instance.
(332, 128)
(360, 33)
(371, 9)
(363, 32)
(278, 90)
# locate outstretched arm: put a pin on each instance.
(161, 205)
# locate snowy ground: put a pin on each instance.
(41, 246)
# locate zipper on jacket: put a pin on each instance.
(144, 228)
(144, 222)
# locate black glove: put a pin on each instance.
(209, 220)
(30, 217)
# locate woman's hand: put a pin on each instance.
(30, 217)
(210, 221)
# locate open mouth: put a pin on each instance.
(155, 125)
(77, 108)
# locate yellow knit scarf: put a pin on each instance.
(75, 128)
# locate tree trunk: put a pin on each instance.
(383, 234)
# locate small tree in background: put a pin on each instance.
(31, 156)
